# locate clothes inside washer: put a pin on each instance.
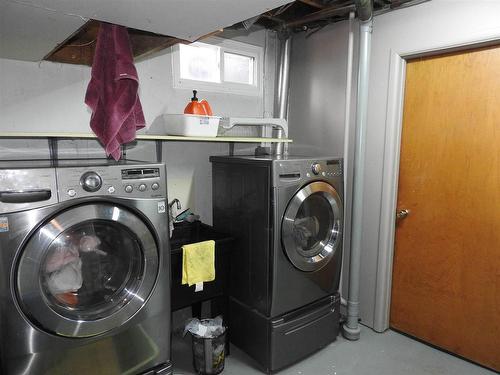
(66, 279)
(64, 268)
(90, 243)
(60, 257)
(305, 230)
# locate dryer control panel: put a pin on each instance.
(292, 171)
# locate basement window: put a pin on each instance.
(219, 66)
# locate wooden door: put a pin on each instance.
(446, 278)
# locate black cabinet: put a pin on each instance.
(186, 233)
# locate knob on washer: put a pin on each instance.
(91, 181)
(316, 168)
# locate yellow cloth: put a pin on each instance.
(198, 262)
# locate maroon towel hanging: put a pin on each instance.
(112, 90)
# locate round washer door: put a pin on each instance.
(311, 229)
(87, 271)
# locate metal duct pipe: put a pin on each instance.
(284, 74)
(351, 329)
(283, 85)
(364, 8)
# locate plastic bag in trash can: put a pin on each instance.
(206, 328)
(209, 339)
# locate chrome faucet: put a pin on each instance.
(175, 201)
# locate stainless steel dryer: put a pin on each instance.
(287, 217)
(84, 268)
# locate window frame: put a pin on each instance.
(229, 46)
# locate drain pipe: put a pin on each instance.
(283, 84)
(351, 329)
(347, 135)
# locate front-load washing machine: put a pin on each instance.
(84, 268)
(286, 215)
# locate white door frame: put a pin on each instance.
(393, 128)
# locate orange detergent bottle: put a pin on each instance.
(196, 107)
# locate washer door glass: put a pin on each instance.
(87, 270)
(311, 229)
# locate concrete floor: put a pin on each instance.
(389, 353)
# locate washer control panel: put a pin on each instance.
(136, 181)
(91, 181)
(316, 168)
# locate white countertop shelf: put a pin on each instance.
(150, 137)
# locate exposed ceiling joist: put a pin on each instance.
(274, 19)
(321, 15)
(314, 3)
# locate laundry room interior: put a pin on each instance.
(247, 187)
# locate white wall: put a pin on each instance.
(318, 76)
(435, 25)
(49, 97)
(318, 71)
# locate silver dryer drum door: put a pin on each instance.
(311, 229)
(87, 270)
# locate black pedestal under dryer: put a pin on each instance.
(286, 215)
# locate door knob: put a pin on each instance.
(401, 214)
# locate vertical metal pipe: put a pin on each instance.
(284, 73)
(283, 85)
(347, 134)
(280, 80)
(351, 329)
(364, 8)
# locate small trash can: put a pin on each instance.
(209, 344)
(209, 354)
